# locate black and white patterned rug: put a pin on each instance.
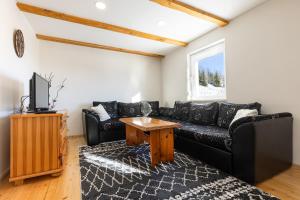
(117, 171)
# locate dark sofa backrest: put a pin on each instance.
(129, 109)
(227, 112)
(204, 114)
(111, 107)
(182, 110)
(119, 109)
(215, 113)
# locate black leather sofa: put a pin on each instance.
(251, 148)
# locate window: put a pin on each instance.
(206, 73)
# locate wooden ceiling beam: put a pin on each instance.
(196, 12)
(97, 46)
(96, 24)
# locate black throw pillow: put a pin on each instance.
(204, 114)
(129, 109)
(155, 108)
(166, 112)
(182, 110)
(111, 107)
(227, 111)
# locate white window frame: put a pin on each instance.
(192, 72)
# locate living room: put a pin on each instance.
(151, 52)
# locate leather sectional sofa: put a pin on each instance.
(251, 148)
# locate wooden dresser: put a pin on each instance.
(38, 144)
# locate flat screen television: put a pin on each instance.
(39, 94)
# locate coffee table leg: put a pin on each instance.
(166, 145)
(154, 147)
(133, 136)
(161, 146)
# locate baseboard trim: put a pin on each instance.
(74, 133)
(75, 136)
(4, 174)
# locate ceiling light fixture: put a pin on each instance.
(161, 23)
(100, 5)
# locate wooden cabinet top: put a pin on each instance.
(28, 115)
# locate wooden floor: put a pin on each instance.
(67, 186)
(285, 185)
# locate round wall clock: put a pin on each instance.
(19, 43)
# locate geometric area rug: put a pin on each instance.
(114, 170)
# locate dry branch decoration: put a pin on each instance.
(59, 87)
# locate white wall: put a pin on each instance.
(262, 61)
(94, 74)
(14, 72)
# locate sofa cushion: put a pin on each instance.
(227, 111)
(182, 110)
(111, 124)
(155, 108)
(129, 109)
(103, 115)
(166, 112)
(111, 107)
(210, 135)
(244, 113)
(204, 114)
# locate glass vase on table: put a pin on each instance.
(146, 110)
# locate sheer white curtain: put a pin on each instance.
(193, 71)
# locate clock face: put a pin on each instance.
(19, 43)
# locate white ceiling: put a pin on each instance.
(228, 9)
(141, 15)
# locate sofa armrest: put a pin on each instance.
(91, 127)
(262, 147)
(253, 119)
(91, 112)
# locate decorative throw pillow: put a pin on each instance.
(129, 109)
(227, 111)
(204, 114)
(111, 107)
(155, 108)
(244, 113)
(166, 112)
(103, 115)
(182, 110)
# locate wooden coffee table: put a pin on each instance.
(158, 133)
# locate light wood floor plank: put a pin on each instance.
(285, 185)
(67, 186)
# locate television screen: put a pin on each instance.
(41, 92)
